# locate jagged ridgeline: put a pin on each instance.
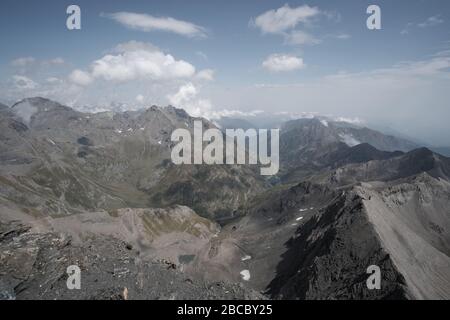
(58, 161)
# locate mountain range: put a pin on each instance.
(346, 197)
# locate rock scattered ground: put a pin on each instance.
(33, 266)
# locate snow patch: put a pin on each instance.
(324, 122)
(246, 257)
(299, 218)
(245, 275)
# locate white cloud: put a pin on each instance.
(282, 62)
(185, 93)
(23, 61)
(294, 24)
(205, 74)
(25, 83)
(187, 98)
(431, 22)
(145, 22)
(284, 18)
(141, 64)
(80, 77)
(134, 61)
(140, 98)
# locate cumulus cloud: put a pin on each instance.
(282, 62)
(133, 61)
(133, 65)
(186, 93)
(146, 22)
(284, 18)
(80, 77)
(187, 98)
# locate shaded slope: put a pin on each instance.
(329, 255)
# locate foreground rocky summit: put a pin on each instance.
(33, 266)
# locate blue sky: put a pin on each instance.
(212, 56)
